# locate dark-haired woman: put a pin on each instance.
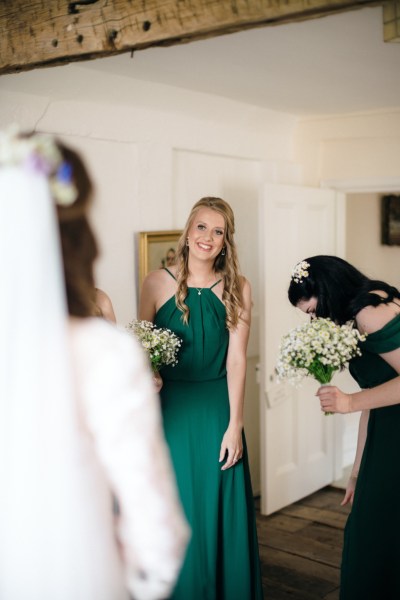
(327, 286)
(207, 303)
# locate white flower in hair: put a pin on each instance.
(300, 271)
(39, 154)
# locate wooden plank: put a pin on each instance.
(334, 595)
(280, 522)
(42, 33)
(328, 497)
(300, 558)
(323, 534)
(319, 515)
(275, 590)
(327, 554)
(297, 569)
(391, 21)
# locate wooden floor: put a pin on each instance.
(301, 546)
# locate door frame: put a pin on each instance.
(351, 186)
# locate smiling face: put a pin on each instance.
(308, 306)
(206, 234)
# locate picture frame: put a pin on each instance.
(156, 250)
(390, 220)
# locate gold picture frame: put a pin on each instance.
(155, 250)
(390, 220)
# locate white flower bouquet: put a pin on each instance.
(161, 345)
(317, 348)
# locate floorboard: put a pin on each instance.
(301, 547)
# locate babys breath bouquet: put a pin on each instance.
(160, 344)
(317, 348)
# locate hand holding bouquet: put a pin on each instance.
(317, 348)
(161, 345)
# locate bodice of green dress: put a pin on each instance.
(370, 369)
(205, 338)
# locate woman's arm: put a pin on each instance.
(369, 320)
(332, 399)
(154, 288)
(362, 436)
(123, 415)
(236, 375)
(148, 297)
(105, 305)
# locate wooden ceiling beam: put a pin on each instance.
(391, 21)
(39, 33)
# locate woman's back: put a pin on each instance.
(122, 451)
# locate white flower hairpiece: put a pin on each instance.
(300, 271)
(39, 154)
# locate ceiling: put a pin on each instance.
(332, 65)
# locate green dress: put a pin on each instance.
(222, 560)
(371, 552)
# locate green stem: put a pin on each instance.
(320, 372)
(323, 374)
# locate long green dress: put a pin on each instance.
(371, 552)
(222, 560)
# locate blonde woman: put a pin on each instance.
(205, 301)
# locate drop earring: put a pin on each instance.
(187, 241)
(223, 251)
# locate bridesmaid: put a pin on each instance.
(327, 286)
(206, 302)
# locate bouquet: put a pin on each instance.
(161, 345)
(317, 348)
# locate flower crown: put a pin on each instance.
(39, 154)
(300, 271)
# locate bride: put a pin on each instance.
(79, 421)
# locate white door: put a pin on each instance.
(297, 445)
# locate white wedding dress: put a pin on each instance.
(122, 447)
(79, 422)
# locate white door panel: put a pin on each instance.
(297, 439)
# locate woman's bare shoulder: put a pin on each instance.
(372, 318)
(103, 301)
(155, 278)
(245, 286)
(157, 288)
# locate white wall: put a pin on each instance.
(131, 140)
(153, 150)
(363, 239)
(355, 147)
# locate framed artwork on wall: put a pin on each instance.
(157, 249)
(390, 218)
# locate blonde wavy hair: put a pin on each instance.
(226, 265)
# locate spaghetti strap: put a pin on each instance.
(168, 271)
(216, 283)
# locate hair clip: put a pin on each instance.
(300, 271)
